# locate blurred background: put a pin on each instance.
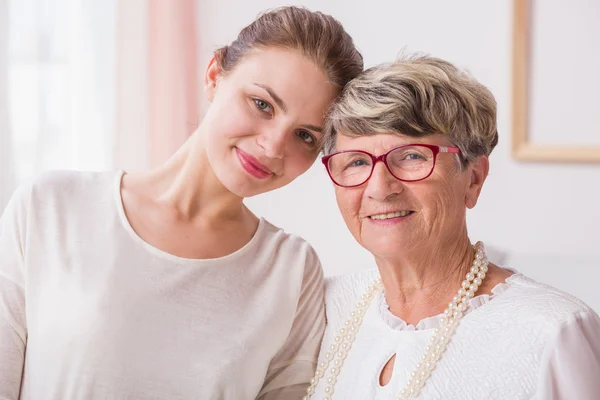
(96, 85)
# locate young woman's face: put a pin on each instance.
(263, 128)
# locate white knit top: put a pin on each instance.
(90, 311)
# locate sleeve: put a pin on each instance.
(293, 367)
(570, 367)
(13, 329)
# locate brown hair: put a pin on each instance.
(417, 96)
(318, 36)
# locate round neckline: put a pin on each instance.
(172, 257)
(397, 324)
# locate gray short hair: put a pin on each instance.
(417, 96)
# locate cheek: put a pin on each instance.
(298, 160)
(443, 202)
(348, 202)
(222, 127)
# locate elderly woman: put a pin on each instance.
(408, 155)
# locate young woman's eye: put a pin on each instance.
(262, 105)
(306, 137)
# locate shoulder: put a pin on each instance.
(58, 192)
(45, 187)
(67, 182)
(537, 303)
(343, 291)
(290, 256)
(286, 245)
(74, 188)
(564, 330)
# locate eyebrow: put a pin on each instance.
(273, 95)
(313, 128)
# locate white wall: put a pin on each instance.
(546, 217)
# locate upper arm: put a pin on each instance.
(293, 366)
(570, 366)
(13, 329)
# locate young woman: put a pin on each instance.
(164, 285)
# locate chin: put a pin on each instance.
(386, 246)
(242, 185)
(240, 188)
(384, 251)
(234, 179)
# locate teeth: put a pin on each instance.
(391, 215)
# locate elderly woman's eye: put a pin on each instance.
(414, 157)
(357, 163)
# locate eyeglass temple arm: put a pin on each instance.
(446, 149)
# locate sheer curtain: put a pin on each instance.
(94, 85)
(61, 84)
(7, 179)
(173, 76)
(158, 80)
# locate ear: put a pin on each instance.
(477, 175)
(211, 78)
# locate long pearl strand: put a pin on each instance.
(433, 352)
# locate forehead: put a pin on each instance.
(382, 142)
(291, 75)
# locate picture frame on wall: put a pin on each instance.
(554, 88)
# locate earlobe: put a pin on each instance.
(479, 172)
(211, 78)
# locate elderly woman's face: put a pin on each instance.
(436, 206)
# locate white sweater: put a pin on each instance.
(525, 341)
(88, 310)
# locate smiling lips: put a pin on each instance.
(252, 165)
(391, 215)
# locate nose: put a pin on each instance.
(382, 185)
(273, 143)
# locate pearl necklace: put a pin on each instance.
(433, 352)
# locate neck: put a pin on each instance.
(187, 184)
(421, 285)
